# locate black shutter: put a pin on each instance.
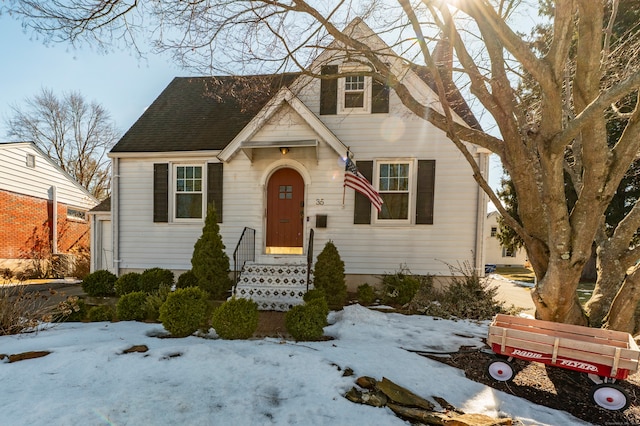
(161, 192)
(362, 206)
(425, 192)
(329, 91)
(214, 187)
(379, 97)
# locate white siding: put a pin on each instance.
(493, 249)
(16, 177)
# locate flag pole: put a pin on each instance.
(344, 186)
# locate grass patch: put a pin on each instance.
(517, 274)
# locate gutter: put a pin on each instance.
(115, 216)
(481, 215)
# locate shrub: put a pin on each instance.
(328, 275)
(209, 261)
(236, 319)
(187, 279)
(315, 293)
(154, 301)
(99, 283)
(467, 296)
(152, 279)
(131, 306)
(20, 310)
(127, 283)
(184, 311)
(400, 287)
(366, 294)
(72, 309)
(100, 313)
(306, 322)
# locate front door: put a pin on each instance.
(285, 212)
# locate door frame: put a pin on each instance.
(264, 181)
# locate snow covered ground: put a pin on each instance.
(87, 380)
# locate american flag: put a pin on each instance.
(354, 179)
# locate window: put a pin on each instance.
(394, 188)
(508, 253)
(75, 214)
(494, 231)
(354, 92)
(31, 161)
(188, 189)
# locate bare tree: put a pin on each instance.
(75, 134)
(577, 76)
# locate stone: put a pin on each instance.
(354, 395)
(477, 420)
(402, 396)
(375, 399)
(27, 355)
(366, 382)
(136, 348)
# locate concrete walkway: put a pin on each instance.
(512, 294)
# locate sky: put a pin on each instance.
(122, 83)
(87, 380)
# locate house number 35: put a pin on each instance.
(319, 201)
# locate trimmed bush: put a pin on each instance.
(328, 275)
(184, 311)
(127, 283)
(100, 283)
(154, 301)
(131, 306)
(152, 279)
(209, 261)
(236, 319)
(187, 279)
(306, 322)
(100, 313)
(399, 288)
(366, 294)
(315, 293)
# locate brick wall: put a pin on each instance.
(25, 223)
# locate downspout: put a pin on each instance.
(54, 220)
(481, 215)
(115, 218)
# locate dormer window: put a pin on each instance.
(352, 93)
(31, 161)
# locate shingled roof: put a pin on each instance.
(200, 113)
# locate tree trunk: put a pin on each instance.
(622, 315)
(611, 274)
(555, 295)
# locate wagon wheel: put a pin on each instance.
(500, 370)
(609, 396)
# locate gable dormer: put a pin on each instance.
(351, 93)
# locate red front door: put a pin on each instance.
(285, 212)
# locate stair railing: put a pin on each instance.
(245, 251)
(309, 257)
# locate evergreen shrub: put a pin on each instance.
(127, 283)
(187, 279)
(400, 287)
(131, 306)
(307, 322)
(152, 279)
(100, 313)
(314, 293)
(100, 283)
(184, 311)
(154, 301)
(209, 261)
(328, 275)
(236, 319)
(366, 294)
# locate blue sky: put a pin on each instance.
(122, 83)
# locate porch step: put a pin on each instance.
(273, 286)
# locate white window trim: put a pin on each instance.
(413, 176)
(366, 104)
(173, 192)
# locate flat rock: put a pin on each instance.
(28, 355)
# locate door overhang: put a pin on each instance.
(249, 146)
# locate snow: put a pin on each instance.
(87, 380)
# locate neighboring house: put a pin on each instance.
(42, 208)
(495, 254)
(101, 236)
(269, 151)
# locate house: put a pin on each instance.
(101, 235)
(269, 152)
(495, 254)
(42, 210)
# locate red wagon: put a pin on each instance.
(604, 355)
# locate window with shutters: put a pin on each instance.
(188, 189)
(354, 92)
(395, 185)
